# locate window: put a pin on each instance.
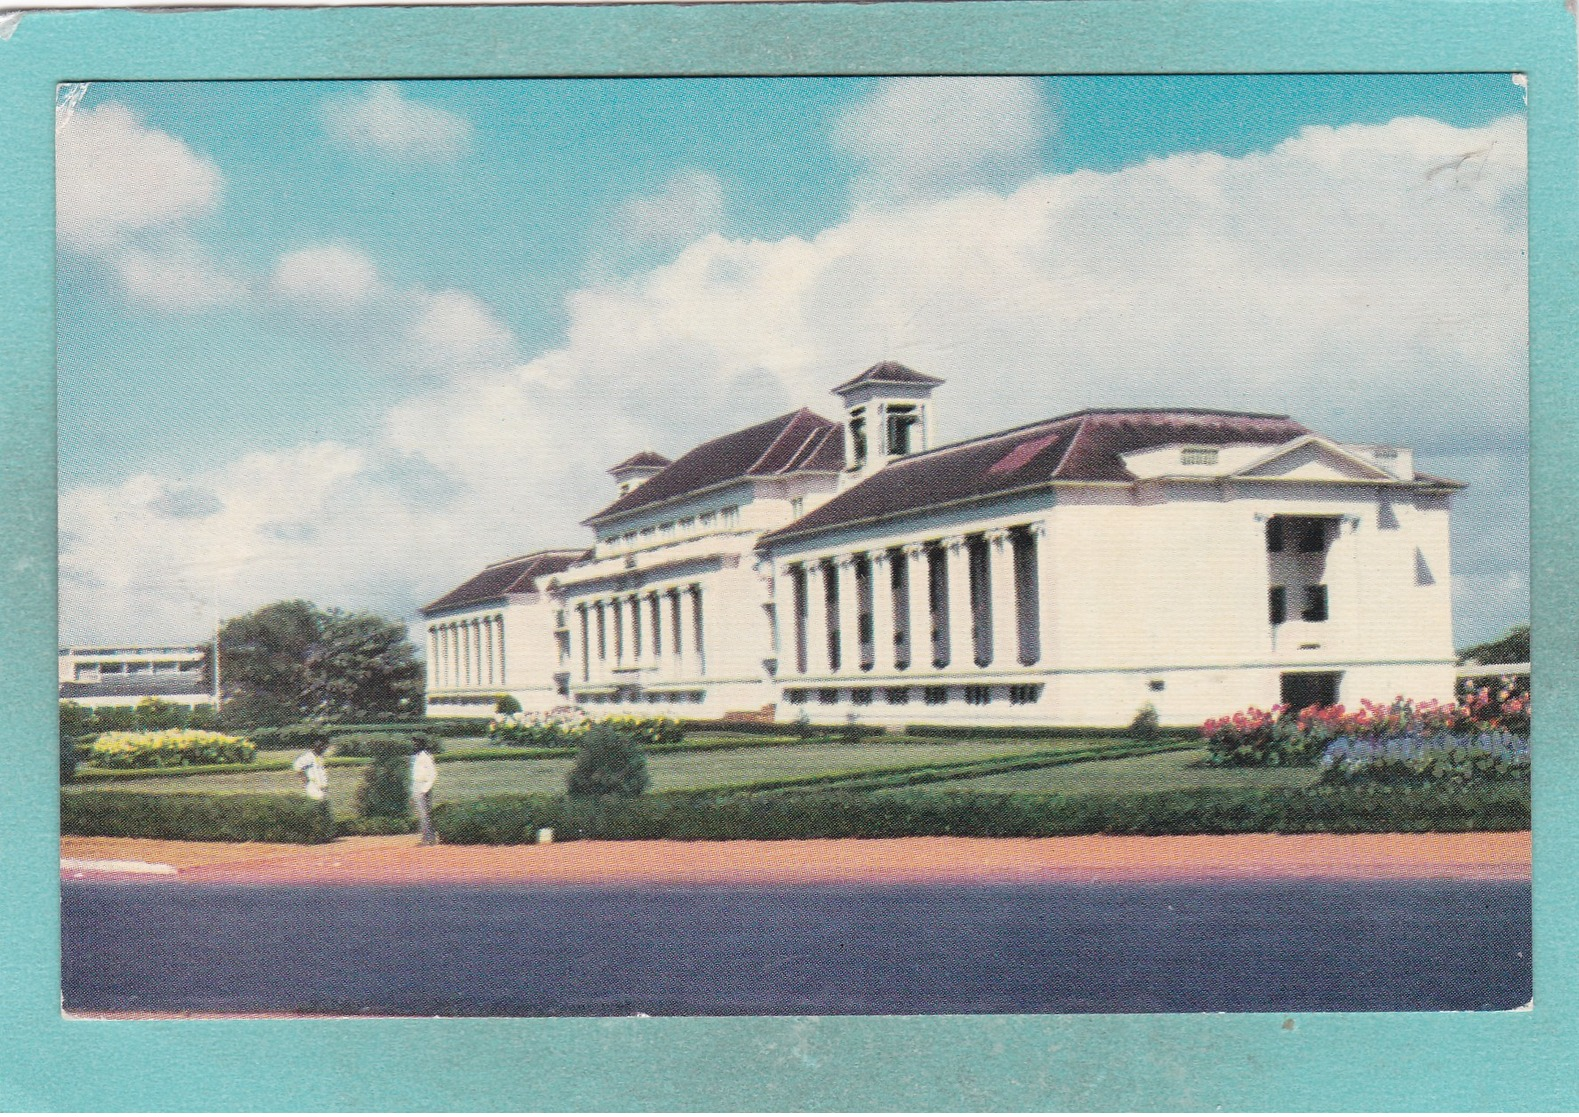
(936, 695)
(1198, 455)
(1312, 537)
(647, 534)
(827, 696)
(897, 695)
(861, 696)
(1274, 534)
(666, 530)
(1024, 694)
(1277, 604)
(1158, 684)
(978, 695)
(687, 525)
(795, 697)
(730, 517)
(797, 507)
(630, 539)
(708, 520)
(1315, 604)
(901, 418)
(857, 438)
(1303, 689)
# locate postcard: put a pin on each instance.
(790, 556)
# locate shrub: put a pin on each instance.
(507, 704)
(374, 826)
(203, 716)
(376, 744)
(1441, 758)
(514, 819)
(305, 735)
(385, 790)
(608, 762)
(195, 817)
(114, 719)
(1145, 726)
(560, 727)
(68, 758)
(76, 720)
(649, 731)
(155, 713)
(167, 749)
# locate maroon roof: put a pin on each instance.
(889, 372)
(798, 441)
(1085, 446)
(517, 575)
(647, 459)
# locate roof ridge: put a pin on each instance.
(535, 555)
(750, 469)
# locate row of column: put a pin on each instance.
(659, 633)
(961, 601)
(466, 653)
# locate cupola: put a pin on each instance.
(887, 415)
(641, 467)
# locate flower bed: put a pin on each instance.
(167, 748)
(1282, 736)
(561, 727)
(1427, 759)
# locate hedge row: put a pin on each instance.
(1037, 732)
(195, 817)
(506, 820)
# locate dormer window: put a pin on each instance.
(857, 437)
(1198, 455)
(902, 418)
(1385, 454)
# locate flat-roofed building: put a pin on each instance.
(124, 676)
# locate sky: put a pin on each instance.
(352, 341)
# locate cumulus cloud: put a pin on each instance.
(327, 275)
(688, 205)
(1339, 277)
(928, 137)
(385, 121)
(126, 195)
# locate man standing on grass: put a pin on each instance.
(316, 776)
(423, 774)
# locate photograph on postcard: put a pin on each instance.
(820, 545)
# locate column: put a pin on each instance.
(698, 630)
(816, 619)
(433, 657)
(961, 650)
(585, 624)
(655, 622)
(498, 627)
(487, 625)
(476, 627)
(918, 622)
(1005, 613)
(883, 620)
(676, 634)
(849, 616)
(600, 645)
(446, 657)
(637, 644)
(617, 622)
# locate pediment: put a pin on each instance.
(1313, 459)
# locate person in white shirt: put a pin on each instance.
(314, 775)
(423, 774)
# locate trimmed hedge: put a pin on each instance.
(515, 819)
(195, 817)
(1036, 732)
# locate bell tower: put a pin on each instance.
(887, 415)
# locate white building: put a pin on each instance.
(124, 676)
(1064, 573)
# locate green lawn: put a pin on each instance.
(670, 771)
(1165, 771)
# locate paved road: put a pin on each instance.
(1282, 946)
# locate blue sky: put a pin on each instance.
(525, 240)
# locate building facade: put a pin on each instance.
(124, 676)
(1066, 573)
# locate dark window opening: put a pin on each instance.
(857, 439)
(1277, 604)
(861, 696)
(1025, 694)
(897, 695)
(978, 695)
(1274, 534)
(1315, 604)
(937, 604)
(827, 696)
(795, 697)
(1301, 689)
(1027, 596)
(901, 418)
(830, 597)
(865, 621)
(1312, 537)
(936, 695)
(978, 559)
(899, 594)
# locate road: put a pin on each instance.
(725, 949)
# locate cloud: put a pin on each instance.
(1335, 278)
(384, 121)
(688, 205)
(126, 195)
(929, 137)
(190, 503)
(327, 275)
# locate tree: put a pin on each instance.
(292, 661)
(1511, 647)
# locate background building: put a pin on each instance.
(1068, 572)
(124, 676)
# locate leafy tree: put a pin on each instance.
(507, 704)
(608, 762)
(290, 661)
(1511, 647)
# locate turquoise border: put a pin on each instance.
(1522, 1060)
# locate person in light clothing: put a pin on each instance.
(314, 774)
(423, 774)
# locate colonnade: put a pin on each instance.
(959, 602)
(658, 632)
(466, 653)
